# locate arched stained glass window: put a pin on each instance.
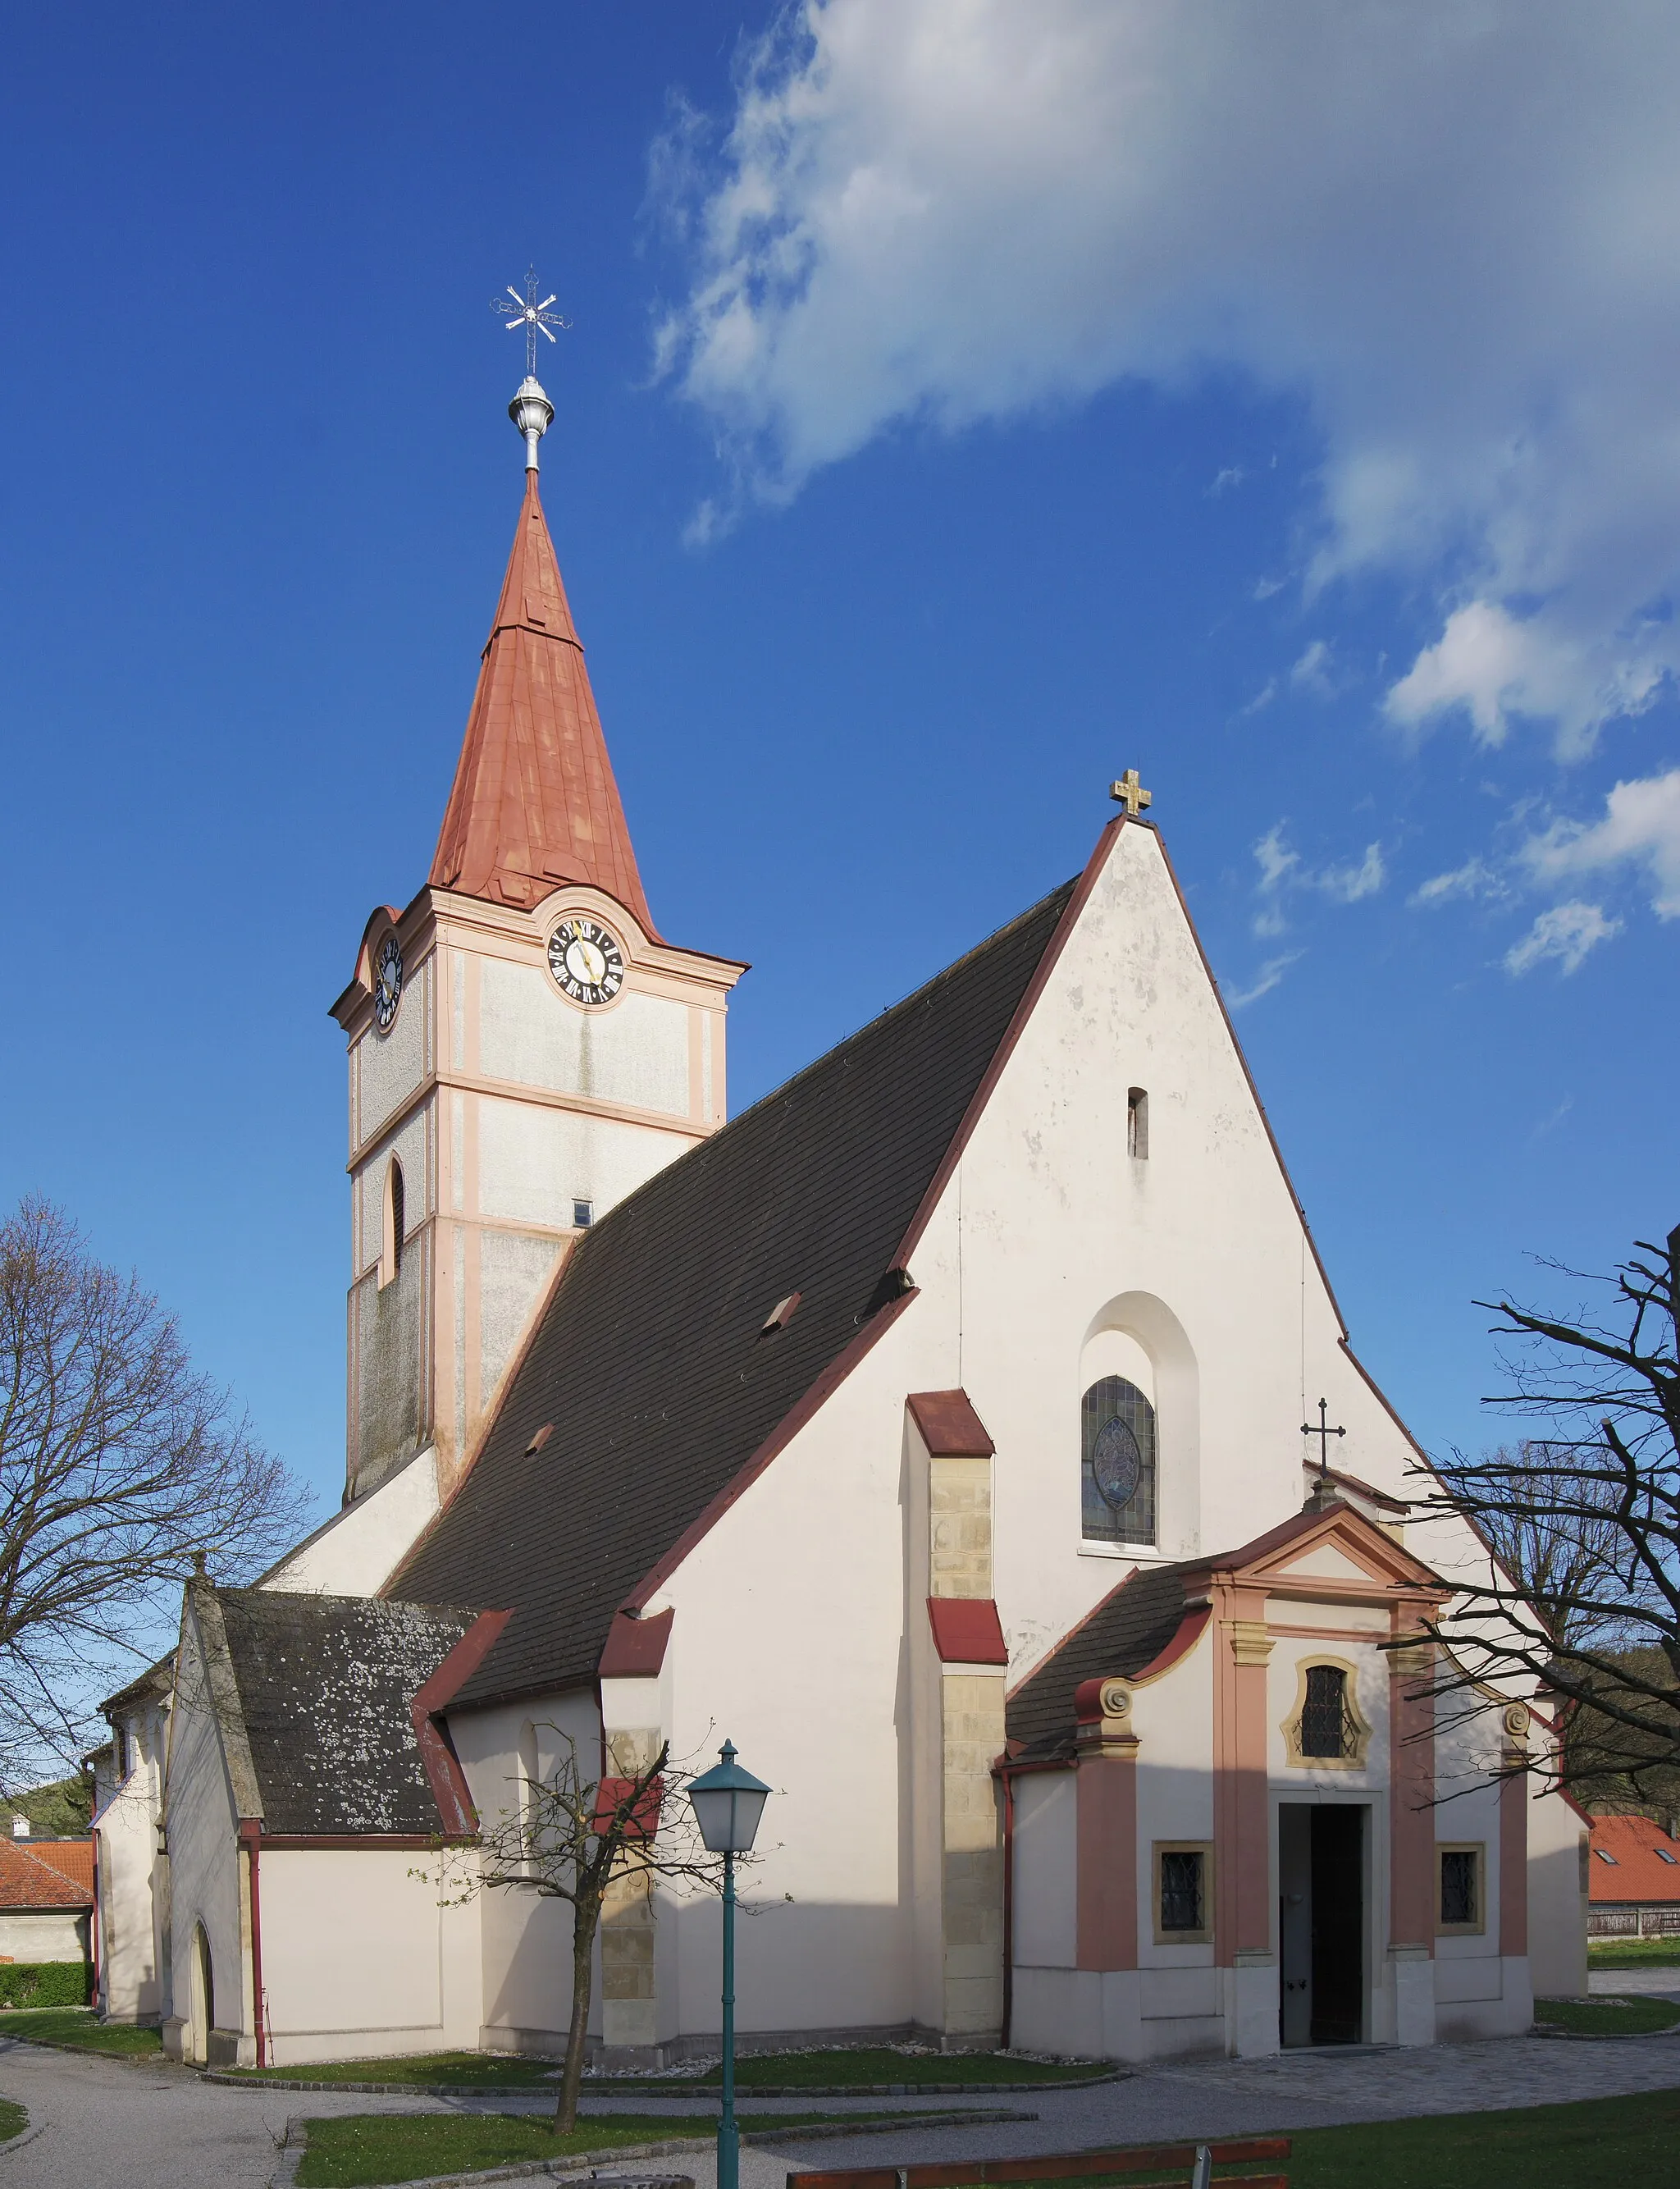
(1117, 1486)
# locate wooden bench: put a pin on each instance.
(1132, 2158)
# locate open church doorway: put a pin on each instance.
(1320, 1882)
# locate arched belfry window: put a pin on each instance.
(1118, 1484)
(395, 1224)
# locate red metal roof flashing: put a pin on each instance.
(949, 1426)
(534, 802)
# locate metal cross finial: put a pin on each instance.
(1130, 793)
(526, 312)
(1324, 1434)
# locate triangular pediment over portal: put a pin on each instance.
(1328, 1552)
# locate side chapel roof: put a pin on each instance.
(1128, 1629)
(325, 1684)
(534, 802)
(651, 1361)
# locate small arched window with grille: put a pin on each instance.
(1117, 1471)
(1328, 1730)
(394, 1225)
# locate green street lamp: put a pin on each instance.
(728, 1803)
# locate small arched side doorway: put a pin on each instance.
(202, 2003)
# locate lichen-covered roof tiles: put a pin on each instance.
(325, 1687)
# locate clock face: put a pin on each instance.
(586, 959)
(387, 981)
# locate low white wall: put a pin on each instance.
(358, 1959)
(42, 1934)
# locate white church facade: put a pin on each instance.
(932, 1429)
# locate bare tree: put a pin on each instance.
(118, 1461)
(1552, 1522)
(590, 1841)
(1582, 1592)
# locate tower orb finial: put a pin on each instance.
(533, 413)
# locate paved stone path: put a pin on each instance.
(109, 2125)
(1660, 1983)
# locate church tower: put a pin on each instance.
(525, 1049)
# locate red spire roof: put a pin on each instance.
(534, 801)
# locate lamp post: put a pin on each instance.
(728, 1803)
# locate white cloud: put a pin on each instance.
(1264, 981)
(1348, 884)
(1641, 827)
(1566, 932)
(1475, 877)
(1232, 476)
(1311, 673)
(1496, 669)
(1454, 228)
(1282, 869)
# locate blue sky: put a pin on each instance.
(962, 403)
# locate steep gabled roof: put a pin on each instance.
(535, 801)
(52, 1874)
(651, 1361)
(1643, 1864)
(326, 1686)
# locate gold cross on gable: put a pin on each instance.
(1130, 793)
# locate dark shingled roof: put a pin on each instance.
(650, 1362)
(1128, 1630)
(325, 1685)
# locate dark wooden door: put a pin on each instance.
(1337, 1924)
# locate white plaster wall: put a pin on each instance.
(1046, 1828)
(359, 1959)
(636, 1053)
(514, 1268)
(1556, 1898)
(385, 1068)
(1172, 1718)
(412, 1147)
(203, 1827)
(533, 1162)
(42, 1934)
(125, 1832)
(356, 1552)
(526, 1940)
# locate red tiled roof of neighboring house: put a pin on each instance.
(47, 1873)
(534, 802)
(1644, 1862)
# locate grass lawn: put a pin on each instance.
(13, 2120)
(76, 2025)
(864, 2065)
(1634, 1952)
(1607, 2018)
(1603, 2143)
(463, 2070)
(363, 2148)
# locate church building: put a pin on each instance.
(933, 1429)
